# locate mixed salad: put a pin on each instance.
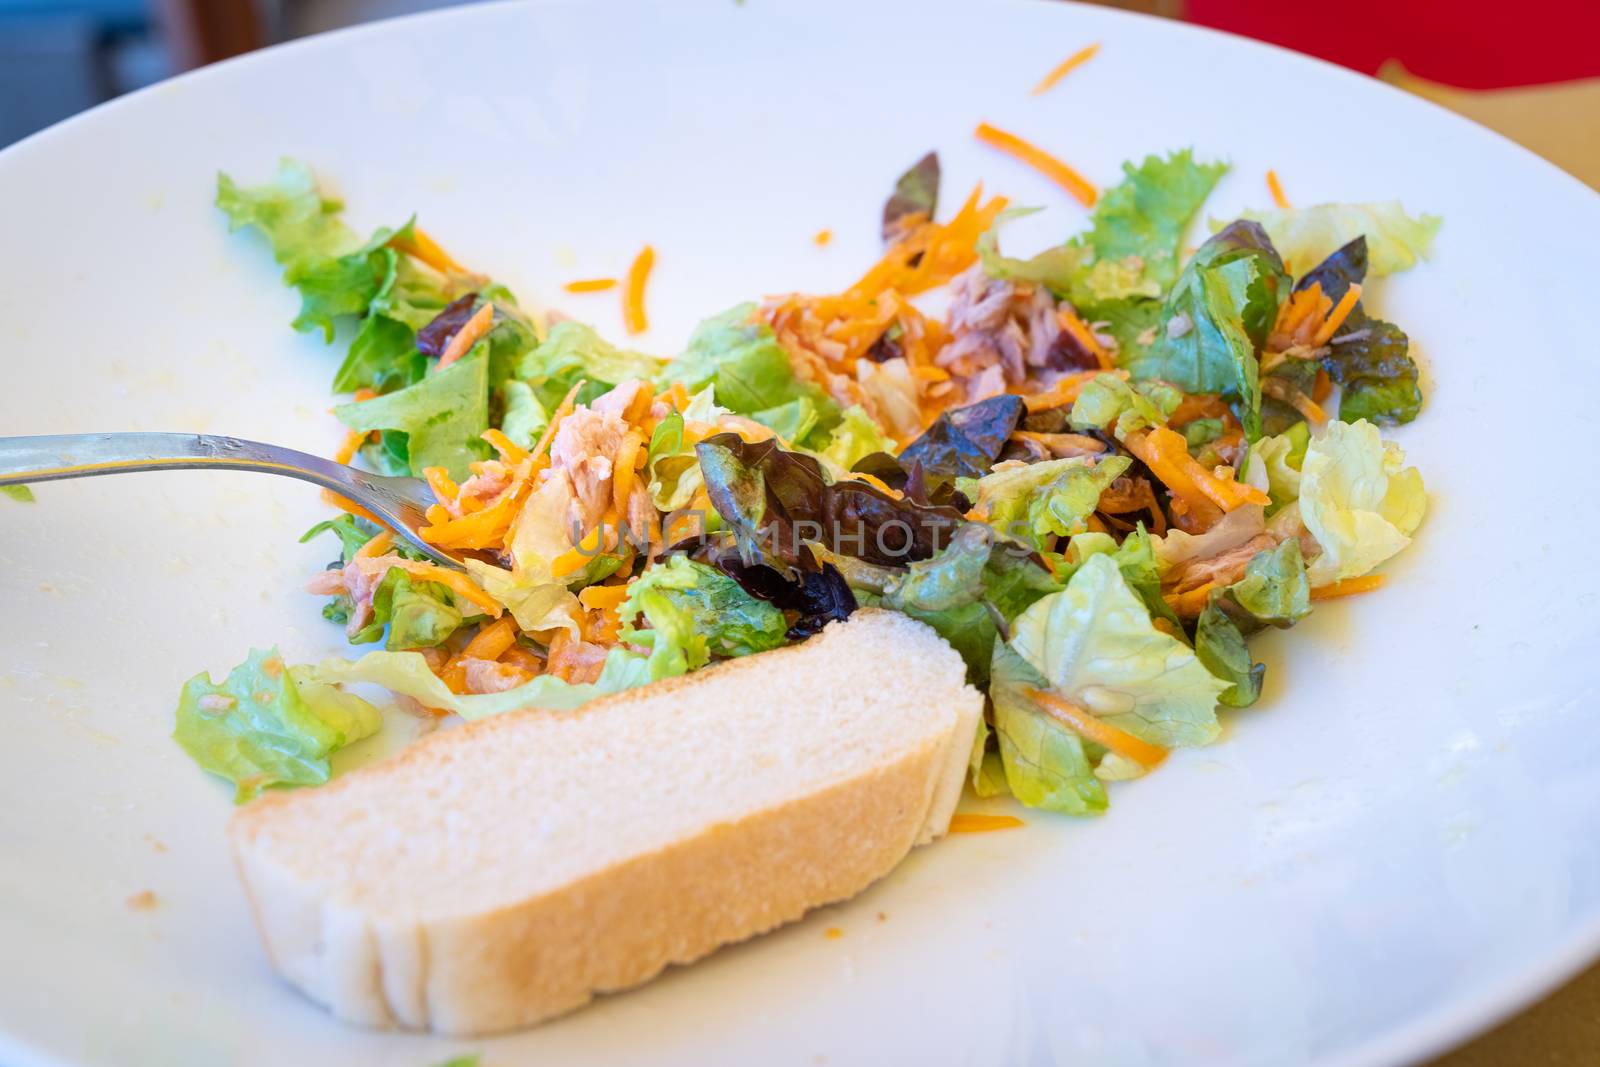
(1096, 472)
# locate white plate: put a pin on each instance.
(1394, 850)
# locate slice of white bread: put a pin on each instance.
(494, 875)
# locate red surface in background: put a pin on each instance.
(1474, 44)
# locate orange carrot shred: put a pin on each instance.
(590, 285)
(1336, 317)
(1347, 587)
(633, 313)
(471, 333)
(1275, 187)
(1046, 164)
(427, 249)
(350, 446)
(966, 823)
(1065, 67)
(1093, 728)
(823, 237)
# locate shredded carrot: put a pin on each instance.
(518, 656)
(638, 408)
(426, 249)
(1080, 332)
(1191, 602)
(350, 446)
(624, 474)
(597, 542)
(590, 285)
(454, 581)
(443, 488)
(598, 597)
(1093, 728)
(375, 547)
(1279, 389)
(470, 334)
(1065, 67)
(1046, 164)
(492, 640)
(438, 514)
(1336, 317)
(346, 504)
(633, 314)
(1347, 587)
(823, 237)
(1064, 391)
(964, 823)
(486, 528)
(1276, 189)
(509, 450)
(680, 396)
(1322, 388)
(1166, 453)
(362, 395)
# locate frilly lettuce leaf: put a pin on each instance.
(573, 352)
(695, 612)
(525, 418)
(1306, 236)
(1044, 762)
(416, 614)
(1274, 590)
(856, 437)
(1281, 456)
(268, 724)
(1030, 503)
(407, 673)
(441, 416)
(1216, 318)
(1109, 403)
(20, 493)
(1131, 248)
(1095, 644)
(1220, 647)
(747, 369)
(1358, 500)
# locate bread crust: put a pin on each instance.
(611, 929)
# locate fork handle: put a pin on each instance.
(393, 501)
(84, 455)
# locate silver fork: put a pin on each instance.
(399, 503)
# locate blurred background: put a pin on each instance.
(1530, 70)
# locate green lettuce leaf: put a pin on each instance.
(573, 352)
(20, 493)
(441, 416)
(415, 614)
(1109, 403)
(268, 725)
(1220, 646)
(407, 673)
(1131, 248)
(525, 418)
(1095, 644)
(1281, 456)
(748, 370)
(792, 421)
(695, 612)
(1045, 763)
(856, 437)
(1216, 318)
(1274, 589)
(1031, 503)
(1358, 500)
(1307, 236)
